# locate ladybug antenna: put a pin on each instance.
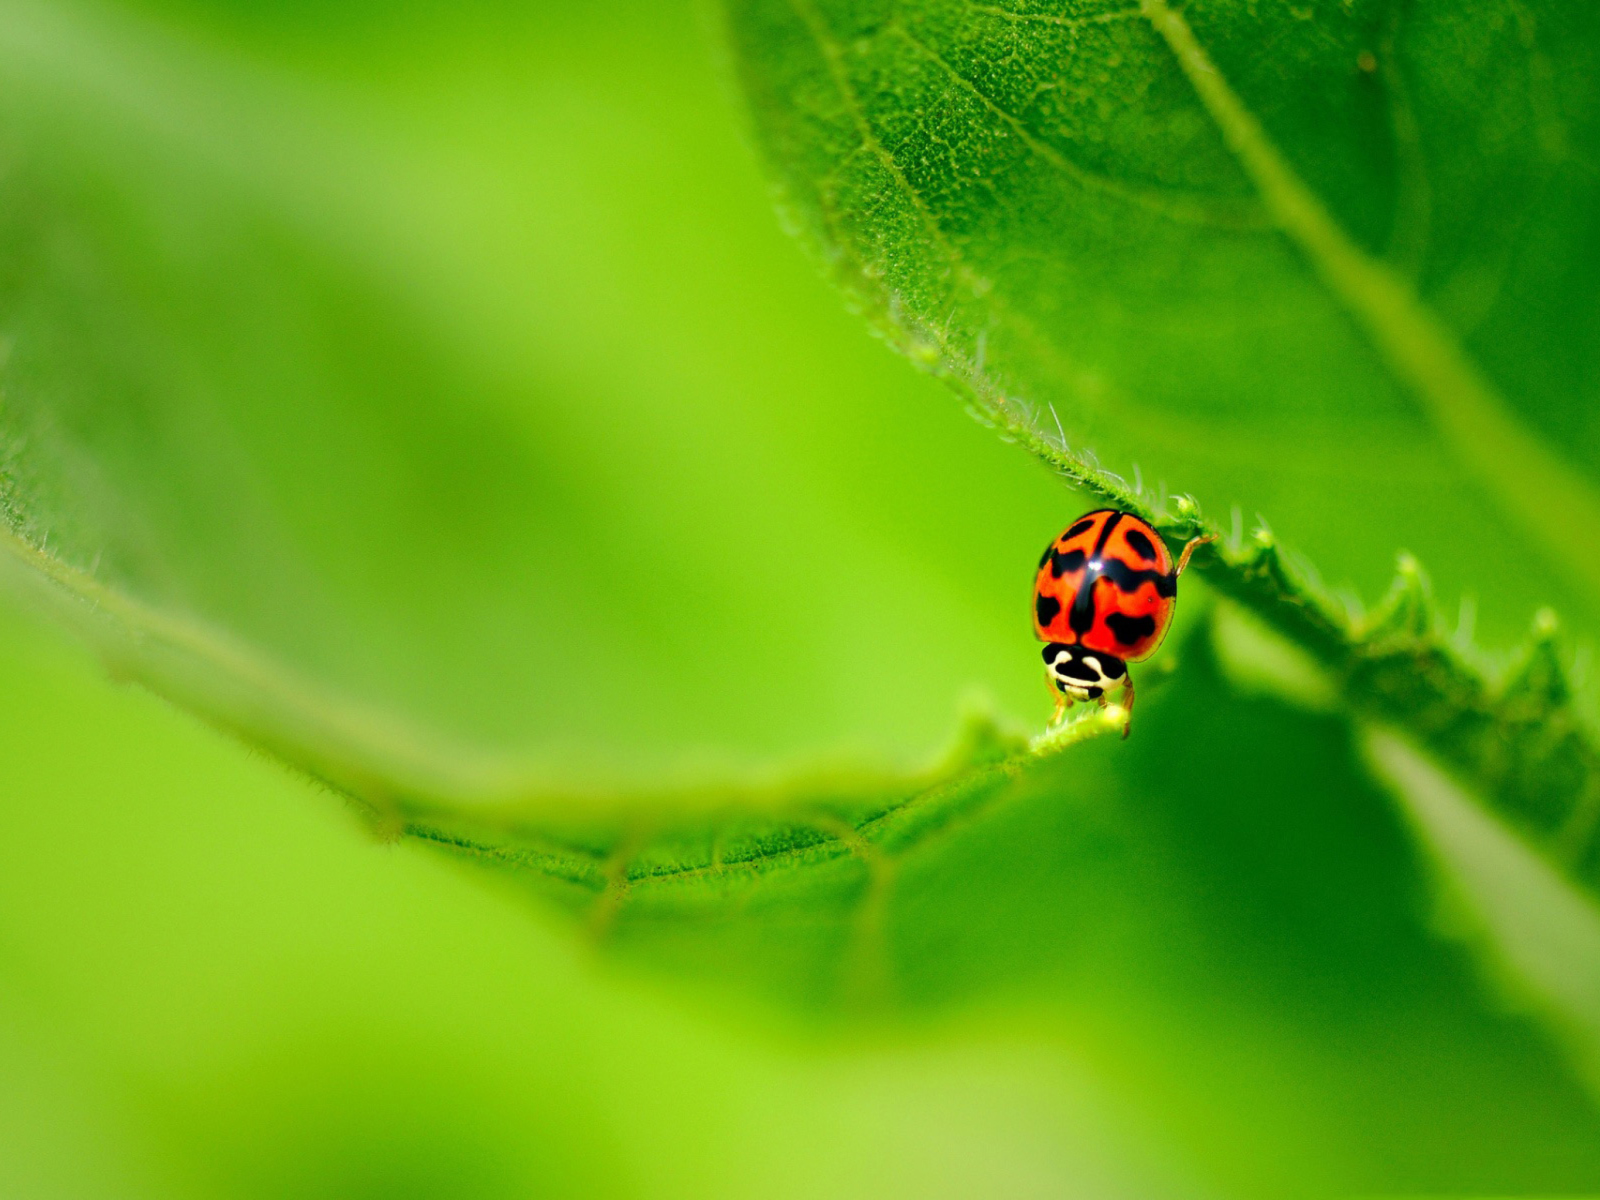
(1193, 544)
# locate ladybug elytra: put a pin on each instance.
(1103, 598)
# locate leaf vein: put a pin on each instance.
(1006, 14)
(1175, 205)
(832, 54)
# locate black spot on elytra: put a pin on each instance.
(1048, 608)
(1061, 563)
(1129, 630)
(1131, 579)
(1112, 522)
(1081, 619)
(1140, 544)
(1077, 529)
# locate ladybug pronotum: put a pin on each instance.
(1103, 598)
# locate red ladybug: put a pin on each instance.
(1103, 598)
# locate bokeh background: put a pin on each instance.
(451, 356)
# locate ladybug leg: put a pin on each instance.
(1183, 561)
(1127, 704)
(1063, 701)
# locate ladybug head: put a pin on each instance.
(1081, 673)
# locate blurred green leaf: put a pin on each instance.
(447, 356)
(1135, 972)
(1542, 935)
(1334, 262)
(1158, 901)
(210, 988)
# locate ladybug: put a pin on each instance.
(1103, 598)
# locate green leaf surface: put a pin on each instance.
(1334, 263)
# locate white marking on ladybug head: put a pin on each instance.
(1083, 674)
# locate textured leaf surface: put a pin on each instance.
(1269, 253)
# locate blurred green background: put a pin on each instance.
(451, 355)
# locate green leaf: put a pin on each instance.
(1154, 901)
(1336, 262)
(1333, 262)
(211, 986)
(1133, 964)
